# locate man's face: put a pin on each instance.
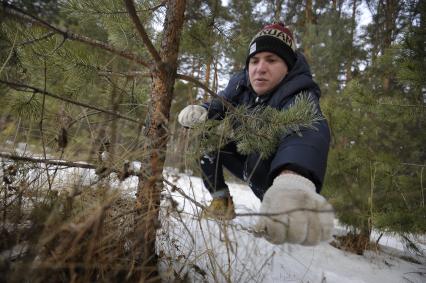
(266, 71)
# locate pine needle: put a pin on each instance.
(260, 129)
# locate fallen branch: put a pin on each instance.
(46, 161)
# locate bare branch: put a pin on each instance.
(27, 88)
(249, 214)
(49, 34)
(182, 77)
(15, 12)
(141, 30)
(162, 4)
(129, 74)
(101, 171)
(151, 9)
(206, 88)
(174, 187)
(196, 82)
(46, 161)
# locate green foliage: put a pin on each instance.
(47, 9)
(258, 130)
(245, 25)
(27, 106)
(330, 44)
(34, 56)
(376, 161)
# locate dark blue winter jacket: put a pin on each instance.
(305, 154)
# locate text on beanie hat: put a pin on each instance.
(275, 38)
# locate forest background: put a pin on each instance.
(82, 80)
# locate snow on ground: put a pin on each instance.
(234, 254)
(213, 252)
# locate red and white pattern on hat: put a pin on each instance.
(279, 31)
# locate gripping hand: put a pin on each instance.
(192, 115)
(298, 214)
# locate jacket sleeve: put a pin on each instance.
(216, 109)
(305, 154)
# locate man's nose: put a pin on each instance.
(261, 66)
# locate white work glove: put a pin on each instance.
(310, 217)
(192, 115)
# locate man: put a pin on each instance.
(289, 182)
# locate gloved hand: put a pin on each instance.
(192, 115)
(310, 217)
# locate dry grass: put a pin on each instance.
(88, 234)
(82, 234)
(354, 243)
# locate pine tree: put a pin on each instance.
(243, 25)
(376, 162)
(71, 62)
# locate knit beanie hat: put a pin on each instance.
(275, 38)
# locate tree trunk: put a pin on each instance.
(349, 62)
(207, 76)
(210, 42)
(308, 22)
(308, 12)
(391, 11)
(278, 10)
(199, 72)
(215, 78)
(156, 132)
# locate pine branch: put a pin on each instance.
(141, 30)
(258, 130)
(19, 14)
(26, 88)
(102, 11)
(261, 129)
